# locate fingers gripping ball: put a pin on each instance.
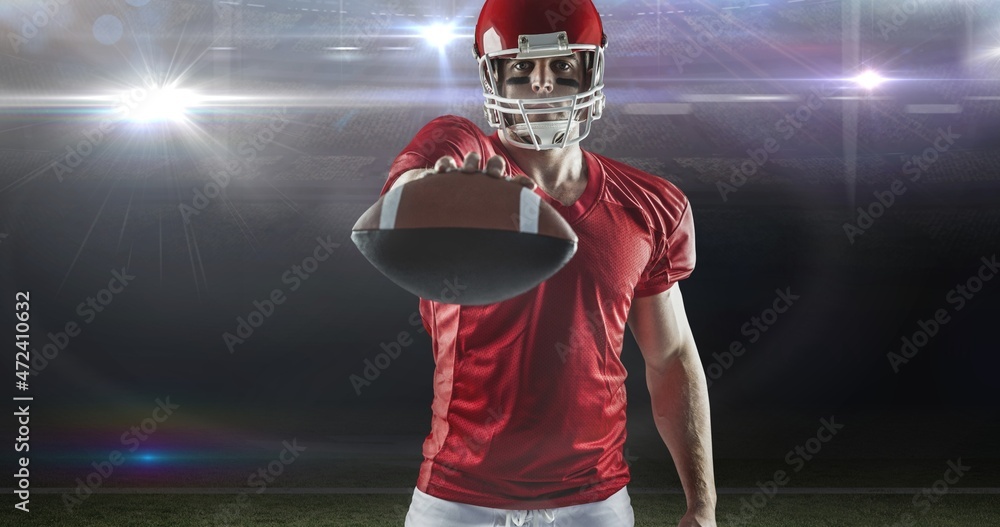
(494, 237)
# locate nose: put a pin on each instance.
(542, 81)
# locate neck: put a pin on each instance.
(550, 169)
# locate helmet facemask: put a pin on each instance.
(570, 118)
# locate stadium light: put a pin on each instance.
(439, 35)
(869, 80)
(165, 103)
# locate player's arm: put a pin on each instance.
(679, 395)
(495, 167)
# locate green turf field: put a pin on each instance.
(389, 510)
(308, 510)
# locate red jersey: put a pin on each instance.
(529, 393)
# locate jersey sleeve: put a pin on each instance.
(673, 256)
(445, 136)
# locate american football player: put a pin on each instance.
(528, 423)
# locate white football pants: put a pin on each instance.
(430, 511)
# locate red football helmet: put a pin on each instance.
(532, 29)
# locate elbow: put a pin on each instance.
(680, 359)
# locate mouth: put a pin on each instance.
(545, 105)
(560, 112)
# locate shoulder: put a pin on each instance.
(447, 135)
(450, 124)
(632, 187)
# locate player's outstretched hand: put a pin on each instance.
(496, 166)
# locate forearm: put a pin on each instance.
(679, 394)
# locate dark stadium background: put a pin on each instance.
(691, 86)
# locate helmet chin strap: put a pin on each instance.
(548, 134)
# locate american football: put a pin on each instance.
(496, 238)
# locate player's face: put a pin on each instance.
(542, 78)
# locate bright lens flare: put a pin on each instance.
(869, 80)
(164, 104)
(438, 35)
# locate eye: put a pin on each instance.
(521, 66)
(562, 66)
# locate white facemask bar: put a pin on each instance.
(543, 134)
